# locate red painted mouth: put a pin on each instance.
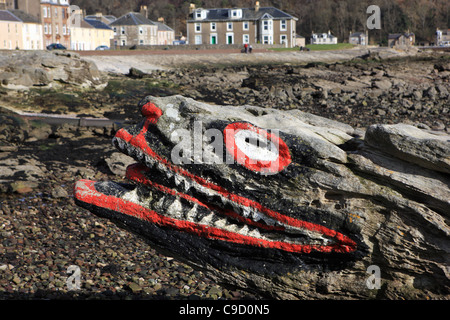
(231, 218)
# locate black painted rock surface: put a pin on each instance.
(285, 203)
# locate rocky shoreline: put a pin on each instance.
(43, 232)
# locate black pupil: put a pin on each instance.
(257, 142)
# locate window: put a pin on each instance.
(124, 42)
(198, 27)
(141, 31)
(283, 39)
(56, 12)
(229, 26)
(198, 39)
(266, 25)
(283, 25)
(122, 30)
(267, 40)
(245, 25)
(115, 30)
(56, 29)
(213, 26)
(45, 29)
(141, 42)
(64, 29)
(246, 38)
(236, 14)
(44, 14)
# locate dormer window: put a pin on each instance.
(235, 13)
(200, 14)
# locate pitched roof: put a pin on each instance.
(163, 27)
(247, 14)
(8, 16)
(132, 19)
(394, 35)
(357, 34)
(97, 24)
(109, 18)
(24, 17)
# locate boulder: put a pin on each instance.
(283, 203)
(25, 69)
(422, 147)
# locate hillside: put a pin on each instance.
(341, 17)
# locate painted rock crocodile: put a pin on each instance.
(282, 202)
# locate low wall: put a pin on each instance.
(196, 47)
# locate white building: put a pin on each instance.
(31, 31)
(323, 38)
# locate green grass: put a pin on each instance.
(338, 46)
(319, 47)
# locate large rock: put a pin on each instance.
(287, 204)
(427, 149)
(24, 69)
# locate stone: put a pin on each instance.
(59, 192)
(283, 203)
(134, 287)
(26, 69)
(118, 162)
(382, 84)
(427, 149)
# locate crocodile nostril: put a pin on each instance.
(151, 112)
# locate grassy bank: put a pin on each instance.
(320, 47)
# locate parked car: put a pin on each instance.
(56, 46)
(102, 48)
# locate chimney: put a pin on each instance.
(191, 7)
(257, 6)
(98, 14)
(161, 19)
(144, 11)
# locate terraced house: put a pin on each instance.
(264, 25)
(55, 22)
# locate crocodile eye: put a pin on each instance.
(255, 148)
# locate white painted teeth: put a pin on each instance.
(203, 216)
(191, 214)
(175, 210)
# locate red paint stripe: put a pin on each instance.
(136, 172)
(85, 192)
(282, 161)
(140, 142)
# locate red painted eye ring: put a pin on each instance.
(262, 166)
